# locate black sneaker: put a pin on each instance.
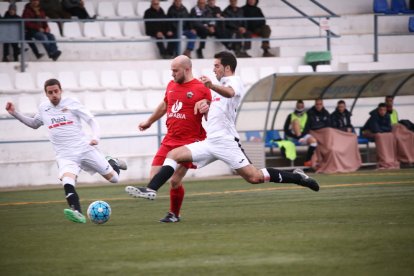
(170, 217)
(120, 163)
(143, 192)
(56, 55)
(307, 181)
(266, 53)
(39, 56)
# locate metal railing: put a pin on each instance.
(13, 31)
(376, 34)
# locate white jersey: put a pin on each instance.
(222, 113)
(63, 123)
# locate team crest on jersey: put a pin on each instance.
(190, 95)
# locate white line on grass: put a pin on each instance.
(227, 192)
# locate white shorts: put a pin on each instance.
(91, 161)
(226, 149)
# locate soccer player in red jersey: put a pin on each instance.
(186, 100)
(222, 142)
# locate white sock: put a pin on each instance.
(170, 162)
(115, 178)
(266, 175)
(68, 180)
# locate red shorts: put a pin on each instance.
(162, 154)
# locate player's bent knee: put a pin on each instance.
(174, 183)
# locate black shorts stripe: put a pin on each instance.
(241, 148)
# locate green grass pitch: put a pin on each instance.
(357, 224)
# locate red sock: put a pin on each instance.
(176, 199)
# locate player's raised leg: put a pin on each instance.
(298, 177)
(180, 154)
(117, 164)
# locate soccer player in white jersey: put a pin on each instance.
(74, 151)
(222, 141)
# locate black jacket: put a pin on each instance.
(217, 13)
(317, 119)
(181, 12)
(253, 11)
(378, 124)
(9, 16)
(234, 25)
(153, 27)
(341, 121)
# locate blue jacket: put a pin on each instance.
(377, 123)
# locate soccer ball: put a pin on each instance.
(99, 212)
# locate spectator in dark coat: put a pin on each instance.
(203, 28)
(77, 8)
(258, 27)
(238, 29)
(178, 10)
(10, 14)
(54, 9)
(318, 116)
(221, 31)
(378, 122)
(341, 118)
(39, 30)
(159, 29)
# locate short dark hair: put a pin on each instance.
(341, 102)
(389, 97)
(51, 82)
(227, 59)
(382, 105)
(299, 101)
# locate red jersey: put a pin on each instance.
(183, 126)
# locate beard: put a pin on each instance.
(180, 80)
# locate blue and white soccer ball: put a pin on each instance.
(99, 212)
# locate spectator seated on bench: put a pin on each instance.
(378, 128)
(40, 30)
(378, 122)
(294, 129)
(341, 118)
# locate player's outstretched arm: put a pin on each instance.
(224, 91)
(28, 121)
(156, 115)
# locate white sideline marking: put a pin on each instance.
(224, 192)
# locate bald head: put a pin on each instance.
(181, 68)
(182, 61)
